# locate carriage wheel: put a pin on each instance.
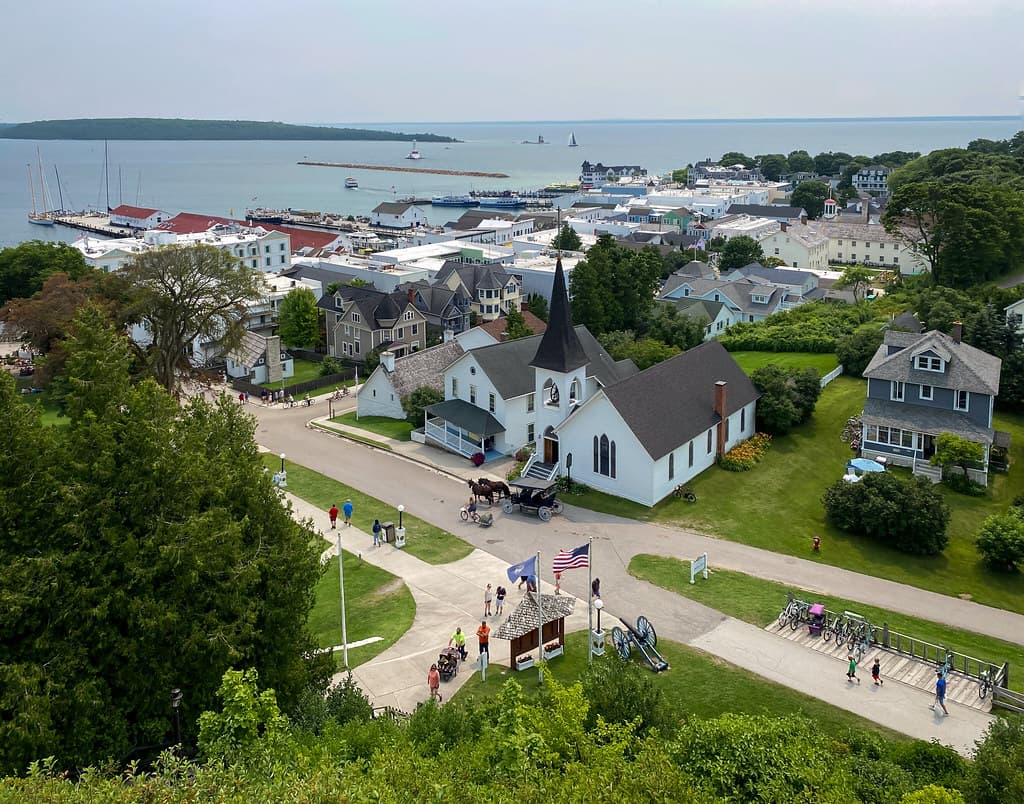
(646, 631)
(557, 506)
(507, 507)
(544, 513)
(620, 642)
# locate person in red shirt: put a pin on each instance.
(333, 514)
(434, 683)
(483, 633)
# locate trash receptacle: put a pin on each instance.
(387, 531)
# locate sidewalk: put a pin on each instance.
(447, 597)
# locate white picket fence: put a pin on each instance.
(831, 376)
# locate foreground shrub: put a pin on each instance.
(788, 396)
(908, 515)
(1001, 541)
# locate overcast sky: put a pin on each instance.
(451, 60)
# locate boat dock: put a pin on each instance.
(402, 169)
(94, 222)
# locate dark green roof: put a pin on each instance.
(468, 417)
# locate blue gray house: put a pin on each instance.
(921, 385)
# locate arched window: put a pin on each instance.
(574, 391)
(595, 455)
(613, 460)
(604, 470)
(550, 394)
(671, 465)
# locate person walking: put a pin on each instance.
(459, 641)
(499, 600)
(940, 692)
(376, 532)
(347, 508)
(488, 597)
(558, 583)
(434, 683)
(876, 671)
(333, 514)
(523, 579)
(851, 673)
(595, 588)
(483, 634)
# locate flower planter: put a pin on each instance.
(551, 654)
(525, 663)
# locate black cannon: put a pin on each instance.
(644, 637)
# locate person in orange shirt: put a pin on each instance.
(483, 633)
(434, 682)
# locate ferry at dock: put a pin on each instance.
(454, 201)
(502, 201)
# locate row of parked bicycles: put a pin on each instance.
(848, 627)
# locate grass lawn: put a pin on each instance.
(427, 542)
(697, 684)
(304, 370)
(759, 601)
(49, 411)
(376, 604)
(398, 429)
(750, 361)
(777, 506)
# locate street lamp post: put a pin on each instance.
(400, 533)
(282, 461)
(344, 624)
(283, 476)
(597, 635)
(176, 696)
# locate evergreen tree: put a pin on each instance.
(567, 239)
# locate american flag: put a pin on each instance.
(572, 559)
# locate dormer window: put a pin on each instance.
(356, 318)
(928, 363)
(759, 299)
(339, 302)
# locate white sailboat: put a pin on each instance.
(572, 139)
(414, 153)
(43, 215)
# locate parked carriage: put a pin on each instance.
(533, 496)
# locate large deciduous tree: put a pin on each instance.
(811, 196)
(773, 166)
(298, 319)
(614, 287)
(142, 552)
(740, 251)
(788, 396)
(858, 279)
(24, 268)
(189, 293)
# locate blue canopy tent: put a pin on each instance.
(864, 465)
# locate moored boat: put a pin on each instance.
(501, 201)
(454, 201)
(351, 183)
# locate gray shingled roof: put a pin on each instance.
(766, 211)
(249, 349)
(423, 368)
(374, 305)
(524, 619)
(923, 419)
(507, 364)
(777, 276)
(967, 369)
(489, 276)
(674, 401)
(391, 208)
(907, 321)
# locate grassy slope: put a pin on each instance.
(759, 601)
(777, 506)
(697, 684)
(376, 604)
(750, 361)
(426, 542)
(398, 429)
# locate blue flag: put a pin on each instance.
(526, 568)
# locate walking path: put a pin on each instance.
(448, 599)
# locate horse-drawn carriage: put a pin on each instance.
(534, 496)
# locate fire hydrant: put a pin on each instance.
(817, 543)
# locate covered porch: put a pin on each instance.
(458, 426)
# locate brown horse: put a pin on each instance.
(497, 486)
(481, 491)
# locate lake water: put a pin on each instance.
(224, 178)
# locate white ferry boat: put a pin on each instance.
(454, 201)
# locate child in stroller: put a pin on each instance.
(448, 663)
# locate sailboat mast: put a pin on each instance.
(31, 187)
(60, 192)
(106, 173)
(120, 187)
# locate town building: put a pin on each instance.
(742, 226)
(492, 290)
(716, 317)
(594, 175)
(798, 246)
(259, 359)
(137, 217)
(873, 179)
(360, 320)
(397, 377)
(787, 215)
(867, 244)
(707, 170)
(921, 385)
(397, 215)
(446, 309)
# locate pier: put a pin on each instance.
(94, 222)
(403, 169)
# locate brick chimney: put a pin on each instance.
(722, 411)
(412, 295)
(957, 332)
(783, 226)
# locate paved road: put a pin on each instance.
(435, 497)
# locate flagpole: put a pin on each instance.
(590, 598)
(540, 626)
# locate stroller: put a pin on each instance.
(448, 663)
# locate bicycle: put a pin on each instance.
(798, 615)
(787, 611)
(945, 667)
(685, 493)
(984, 683)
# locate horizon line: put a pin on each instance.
(883, 118)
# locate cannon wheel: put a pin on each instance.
(544, 513)
(557, 506)
(646, 631)
(507, 507)
(620, 642)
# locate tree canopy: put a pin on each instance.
(298, 319)
(567, 239)
(811, 195)
(126, 571)
(740, 251)
(614, 287)
(24, 268)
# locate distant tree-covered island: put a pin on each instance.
(157, 128)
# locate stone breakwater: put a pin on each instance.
(403, 169)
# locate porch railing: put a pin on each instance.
(440, 432)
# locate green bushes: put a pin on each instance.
(813, 327)
(1000, 540)
(788, 396)
(908, 515)
(743, 456)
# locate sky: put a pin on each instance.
(303, 61)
